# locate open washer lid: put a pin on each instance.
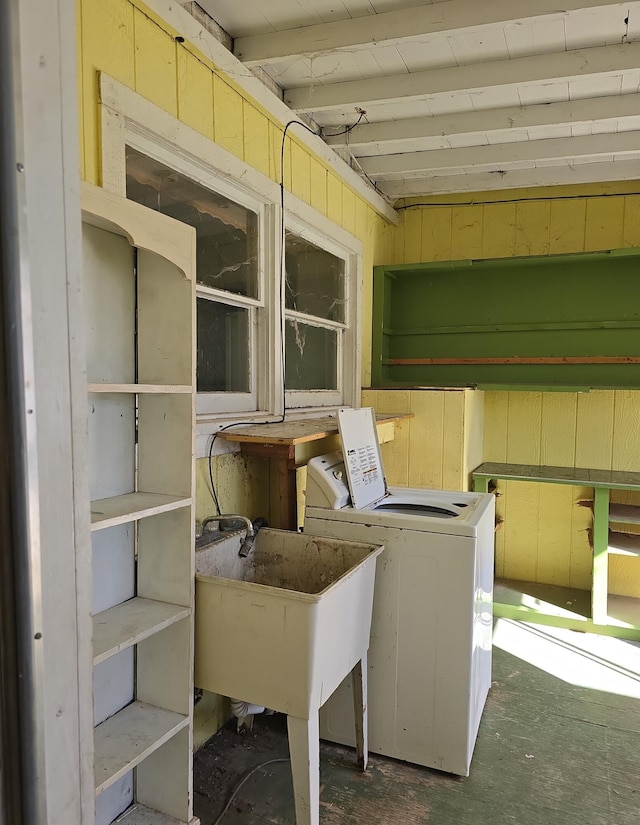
(362, 458)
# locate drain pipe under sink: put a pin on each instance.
(244, 713)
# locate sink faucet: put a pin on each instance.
(206, 521)
(227, 517)
(251, 527)
(252, 532)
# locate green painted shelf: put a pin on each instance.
(565, 607)
(597, 610)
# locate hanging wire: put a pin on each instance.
(589, 196)
(241, 783)
(346, 130)
(355, 163)
(282, 275)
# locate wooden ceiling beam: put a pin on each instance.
(502, 155)
(581, 173)
(402, 135)
(390, 28)
(541, 68)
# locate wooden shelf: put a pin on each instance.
(624, 513)
(623, 544)
(578, 476)
(107, 512)
(292, 444)
(565, 607)
(544, 599)
(141, 815)
(132, 621)
(128, 737)
(159, 389)
(139, 299)
(623, 611)
(292, 433)
(605, 613)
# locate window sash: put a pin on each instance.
(345, 330)
(307, 398)
(128, 118)
(224, 402)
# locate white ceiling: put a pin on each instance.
(459, 95)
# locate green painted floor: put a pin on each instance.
(559, 744)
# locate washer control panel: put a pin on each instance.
(327, 482)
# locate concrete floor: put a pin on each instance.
(558, 745)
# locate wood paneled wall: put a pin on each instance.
(440, 445)
(545, 532)
(598, 429)
(128, 41)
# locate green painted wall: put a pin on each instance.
(534, 307)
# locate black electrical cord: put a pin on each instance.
(281, 265)
(362, 113)
(517, 200)
(241, 783)
(283, 279)
(345, 131)
(213, 441)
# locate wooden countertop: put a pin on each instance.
(581, 476)
(291, 433)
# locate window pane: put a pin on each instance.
(311, 354)
(315, 279)
(223, 347)
(226, 233)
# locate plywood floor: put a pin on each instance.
(551, 751)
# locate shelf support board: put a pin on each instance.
(600, 556)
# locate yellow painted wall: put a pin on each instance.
(127, 41)
(439, 445)
(544, 537)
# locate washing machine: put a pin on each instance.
(429, 663)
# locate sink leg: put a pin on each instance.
(304, 747)
(359, 682)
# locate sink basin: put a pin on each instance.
(284, 626)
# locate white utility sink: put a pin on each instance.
(282, 628)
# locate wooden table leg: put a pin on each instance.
(359, 683)
(599, 587)
(304, 748)
(283, 469)
(288, 495)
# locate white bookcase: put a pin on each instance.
(139, 306)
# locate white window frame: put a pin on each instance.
(129, 119)
(296, 399)
(223, 403)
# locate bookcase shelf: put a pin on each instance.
(139, 300)
(624, 513)
(128, 737)
(158, 389)
(108, 512)
(142, 815)
(131, 622)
